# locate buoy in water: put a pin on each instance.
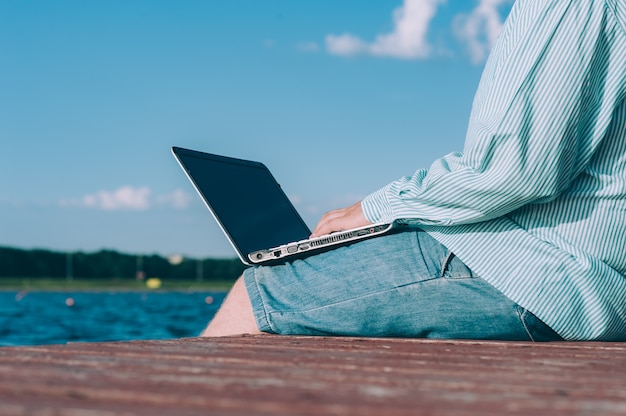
(153, 283)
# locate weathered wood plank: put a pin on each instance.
(312, 376)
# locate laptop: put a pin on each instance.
(254, 213)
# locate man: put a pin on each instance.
(522, 236)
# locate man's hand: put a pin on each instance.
(341, 219)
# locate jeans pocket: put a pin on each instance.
(453, 268)
(537, 330)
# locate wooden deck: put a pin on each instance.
(274, 375)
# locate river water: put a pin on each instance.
(36, 318)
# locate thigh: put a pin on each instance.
(405, 284)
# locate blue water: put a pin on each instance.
(36, 318)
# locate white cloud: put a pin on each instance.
(177, 199)
(480, 28)
(477, 30)
(124, 198)
(128, 198)
(345, 45)
(408, 40)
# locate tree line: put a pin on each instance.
(15, 262)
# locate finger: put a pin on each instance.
(324, 222)
(327, 224)
(340, 219)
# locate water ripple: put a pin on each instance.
(35, 318)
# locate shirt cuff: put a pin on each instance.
(376, 207)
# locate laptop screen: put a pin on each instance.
(245, 199)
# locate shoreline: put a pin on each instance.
(104, 285)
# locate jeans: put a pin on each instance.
(400, 285)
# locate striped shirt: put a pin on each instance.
(536, 202)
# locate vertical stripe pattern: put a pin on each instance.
(536, 202)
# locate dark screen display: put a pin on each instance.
(246, 199)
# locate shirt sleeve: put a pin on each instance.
(534, 124)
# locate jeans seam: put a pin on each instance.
(266, 313)
(521, 312)
(446, 263)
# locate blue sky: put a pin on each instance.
(337, 98)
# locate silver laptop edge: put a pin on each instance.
(326, 241)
